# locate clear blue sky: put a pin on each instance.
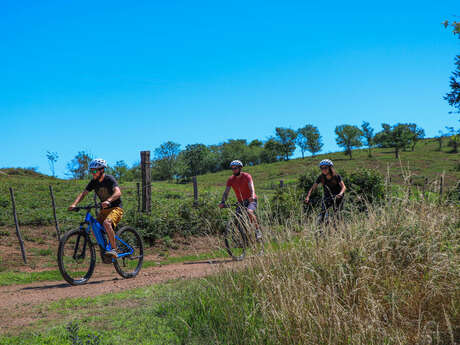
(117, 77)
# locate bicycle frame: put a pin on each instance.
(93, 225)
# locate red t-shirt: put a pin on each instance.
(240, 185)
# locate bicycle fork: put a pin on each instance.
(83, 250)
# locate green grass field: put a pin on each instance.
(391, 277)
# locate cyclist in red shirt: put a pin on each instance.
(243, 186)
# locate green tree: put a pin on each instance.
(398, 137)
(454, 138)
(348, 137)
(120, 170)
(52, 159)
(286, 139)
(165, 160)
(234, 149)
(368, 136)
(453, 97)
(196, 159)
(78, 166)
(440, 139)
(272, 151)
(255, 152)
(256, 143)
(309, 139)
(417, 134)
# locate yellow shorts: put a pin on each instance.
(114, 214)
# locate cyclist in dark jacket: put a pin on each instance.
(333, 186)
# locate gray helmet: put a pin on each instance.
(98, 163)
(236, 163)
(326, 162)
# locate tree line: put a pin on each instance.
(170, 162)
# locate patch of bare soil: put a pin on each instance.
(16, 301)
(41, 248)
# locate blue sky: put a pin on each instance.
(114, 78)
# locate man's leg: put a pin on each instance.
(110, 233)
(109, 218)
(252, 206)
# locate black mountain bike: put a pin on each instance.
(239, 233)
(330, 212)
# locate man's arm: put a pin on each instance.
(252, 190)
(224, 197)
(79, 198)
(115, 196)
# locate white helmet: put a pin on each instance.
(98, 163)
(236, 163)
(326, 162)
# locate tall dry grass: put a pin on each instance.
(390, 275)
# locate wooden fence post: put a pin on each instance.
(138, 197)
(441, 186)
(18, 234)
(195, 191)
(54, 214)
(146, 178)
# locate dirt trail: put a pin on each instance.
(16, 300)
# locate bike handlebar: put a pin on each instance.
(89, 207)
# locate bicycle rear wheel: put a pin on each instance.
(130, 251)
(76, 257)
(236, 241)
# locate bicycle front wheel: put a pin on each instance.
(235, 239)
(130, 252)
(76, 257)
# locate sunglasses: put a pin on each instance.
(324, 168)
(235, 168)
(94, 171)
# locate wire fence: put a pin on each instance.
(34, 204)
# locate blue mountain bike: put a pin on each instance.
(77, 255)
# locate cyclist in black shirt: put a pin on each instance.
(108, 191)
(333, 186)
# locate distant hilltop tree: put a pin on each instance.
(348, 137)
(398, 137)
(286, 139)
(52, 159)
(368, 136)
(309, 139)
(78, 166)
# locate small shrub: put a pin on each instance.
(178, 216)
(457, 166)
(73, 334)
(365, 185)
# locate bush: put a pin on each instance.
(365, 185)
(177, 217)
(453, 195)
(362, 185)
(285, 204)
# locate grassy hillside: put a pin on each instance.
(34, 205)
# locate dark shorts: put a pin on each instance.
(250, 205)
